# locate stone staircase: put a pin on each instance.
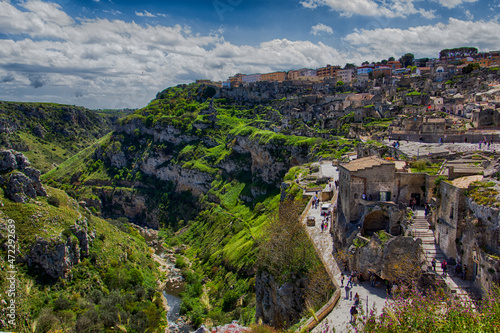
(420, 229)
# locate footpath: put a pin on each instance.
(339, 317)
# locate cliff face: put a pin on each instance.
(278, 305)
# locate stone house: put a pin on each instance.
(485, 117)
(468, 232)
(372, 179)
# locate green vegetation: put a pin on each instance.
(484, 193)
(49, 133)
(114, 286)
(424, 166)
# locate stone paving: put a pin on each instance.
(413, 148)
(370, 297)
(458, 287)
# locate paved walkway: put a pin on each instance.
(413, 148)
(370, 297)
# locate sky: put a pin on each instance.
(121, 53)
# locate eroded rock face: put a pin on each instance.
(382, 258)
(277, 305)
(23, 184)
(56, 256)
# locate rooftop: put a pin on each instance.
(366, 162)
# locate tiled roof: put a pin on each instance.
(366, 162)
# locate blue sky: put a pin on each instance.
(115, 54)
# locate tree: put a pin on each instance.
(384, 62)
(349, 66)
(287, 249)
(365, 63)
(340, 83)
(407, 59)
(391, 59)
(470, 68)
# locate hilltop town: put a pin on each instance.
(452, 98)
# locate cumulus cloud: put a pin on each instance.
(391, 8)
(425, 40)
(453, 3)
(321, 28)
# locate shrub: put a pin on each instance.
(54, 201)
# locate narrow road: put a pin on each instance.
(370, 297)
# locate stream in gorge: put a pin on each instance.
(174, 284)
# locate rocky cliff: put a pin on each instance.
(19, 180)
(278, 305)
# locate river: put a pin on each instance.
(173, 286)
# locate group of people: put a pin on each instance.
(315, 202)
(460, 270)
(486, 143)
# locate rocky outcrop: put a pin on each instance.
(399, 253)
(54, 257)
(19, 180)
(270, 161)
(276, 305)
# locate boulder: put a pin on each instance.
(7, 161)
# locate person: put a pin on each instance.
(433, 263)
(444, 266)
(464, 272)
(342, 279)
(372, 279)
(354, 313)
(356, 299)
(322, 226)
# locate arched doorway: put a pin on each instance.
(375, 221)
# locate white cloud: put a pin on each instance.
(469, 15)
(390, 8)
(453, 3)
(112, 12)
(146, 13)
(425, 40)
(319, 28)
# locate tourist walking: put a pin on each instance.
(464, 272)
(354, 313)
(444, 266)
(433, 263)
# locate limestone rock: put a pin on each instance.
(19, 186)
(7, 161)
(54, 257)
(278, 305)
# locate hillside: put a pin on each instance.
(75, 271)
(48, 133)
